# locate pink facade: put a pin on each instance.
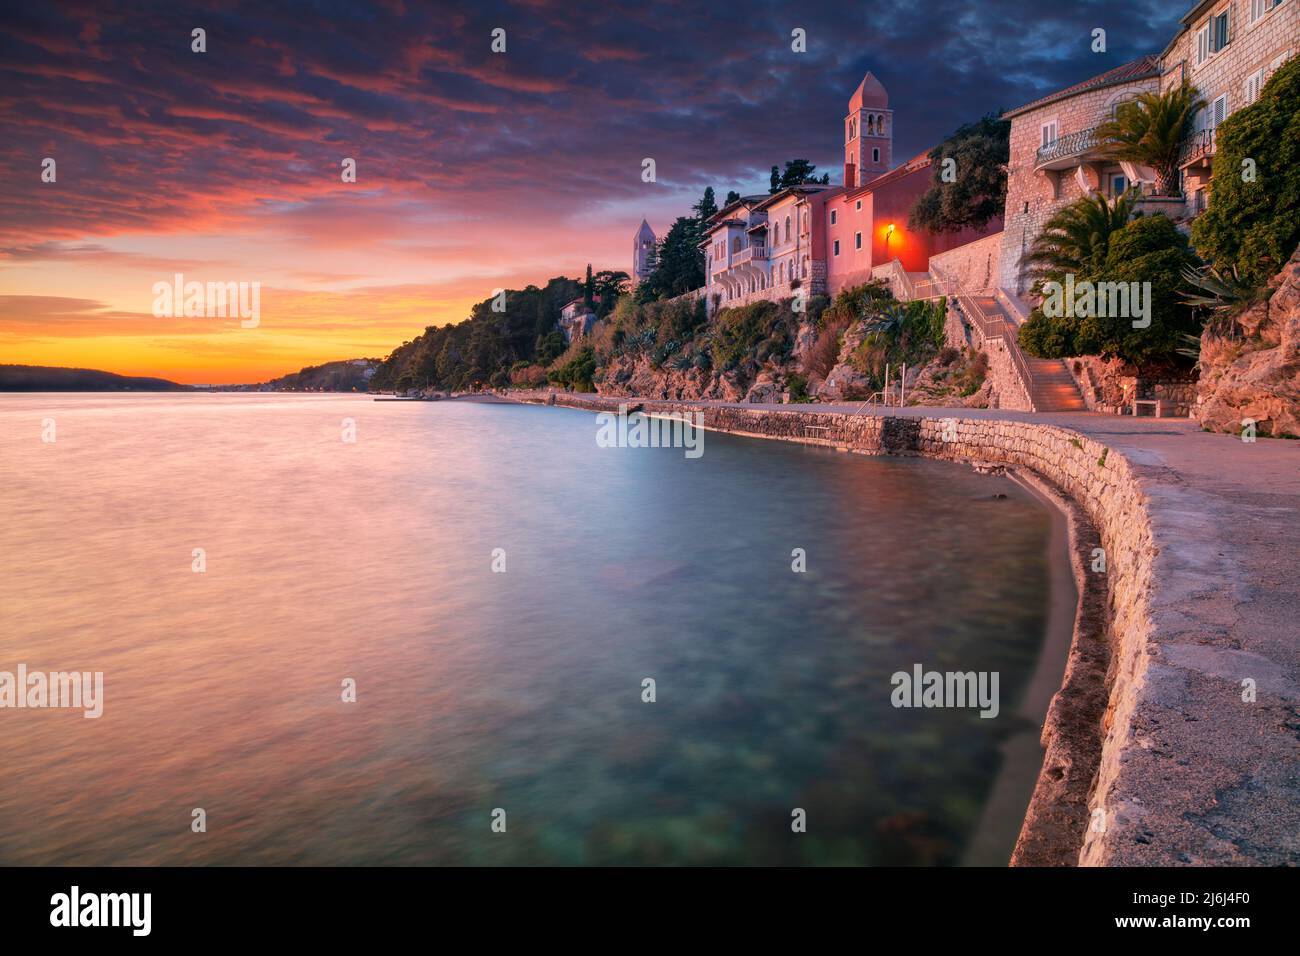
(867, 227)
(828, 238)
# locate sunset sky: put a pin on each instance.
(475, 170)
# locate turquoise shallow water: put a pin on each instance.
(477, 690)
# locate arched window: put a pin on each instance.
(871, 126)
(805, 267)
(776, 234)
(735, 244)
(787, 228)
(780, 274)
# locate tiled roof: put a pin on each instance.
(919, 161)
(1138, 69)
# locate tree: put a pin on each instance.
(678, 262)
(976, 189)
(588, 290)
(707, 207)
(1253, 222)
(1076, 239)
(1151, 129)
(797, 173)
(1149, 256)
(732, 196)
(609, 285)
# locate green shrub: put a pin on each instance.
(578, 373)
(1255, 225)
(1147, 249)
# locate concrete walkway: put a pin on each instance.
(1207, 778)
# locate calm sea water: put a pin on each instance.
(328, 560)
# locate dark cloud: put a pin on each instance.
(149, 135)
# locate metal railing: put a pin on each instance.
(1069, 145)
(990, 327)
(1196, 146)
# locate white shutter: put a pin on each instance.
(1220, 111)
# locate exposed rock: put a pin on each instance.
(1257, 378)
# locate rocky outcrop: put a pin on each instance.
(1256, 378)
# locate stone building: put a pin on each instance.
(1056, 158)
(1227, 49)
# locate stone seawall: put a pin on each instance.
(1088, 724)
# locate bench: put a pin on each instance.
(1160, 408)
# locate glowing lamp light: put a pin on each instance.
(889, 230)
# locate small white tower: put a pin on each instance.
(643, 247)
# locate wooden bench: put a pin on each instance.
(1160, 408)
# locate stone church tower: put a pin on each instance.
(868, 134)
(643, 247)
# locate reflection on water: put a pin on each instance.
(478, 690)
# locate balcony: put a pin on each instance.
(748, 254)
(1067, 150)
(1197, 149)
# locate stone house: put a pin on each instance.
(576, 319)
(1227, 49)
(1056, 158)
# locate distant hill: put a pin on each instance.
(351, 375)
(43, 378)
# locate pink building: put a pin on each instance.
(828, 238)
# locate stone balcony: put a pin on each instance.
(1069, 150)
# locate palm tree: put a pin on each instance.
(1151, 129)
(1076, 238)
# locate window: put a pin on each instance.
(1220, 32)
(1203, 48)
(857, 240)
(859, 206)
(1218, 111)
(787, 228)
(1260, 7)
(776, 234)
(833, 211)
(875, 155)
(837, 247)
(1118, 184)
(1050, 133)
(1254, 83)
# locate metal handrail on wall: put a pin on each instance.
(990, 327)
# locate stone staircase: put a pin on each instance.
(1047, 384)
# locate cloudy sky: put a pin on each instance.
(475, 170)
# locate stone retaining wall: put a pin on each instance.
(1087, 729)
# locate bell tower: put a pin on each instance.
(868, 134)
